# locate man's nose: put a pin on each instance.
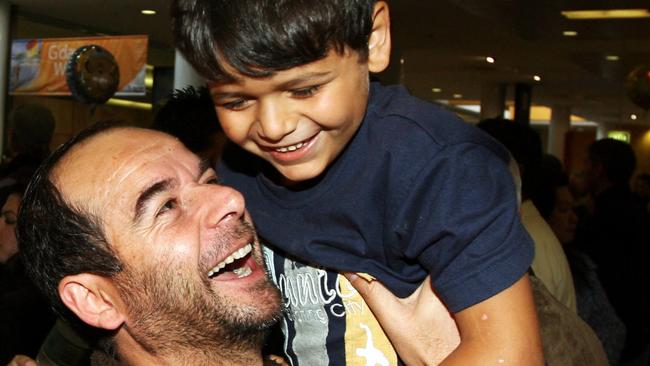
(274, 121)
(221, 204)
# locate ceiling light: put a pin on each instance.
(633, 117)
(611, 58)
(148, 12)
(489, 59)
(606, 14)
(401, 61)
(537, 78)
(569, 33)
(436, 90)
(458, 96)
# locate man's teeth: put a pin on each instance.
(291, 148)
(241, 253)
(242, 272)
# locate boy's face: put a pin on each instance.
(300, 119)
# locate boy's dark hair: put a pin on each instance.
(190, 116)
(56, 239)
(259, 37)
(617, 158)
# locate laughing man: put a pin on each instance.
(128, 232)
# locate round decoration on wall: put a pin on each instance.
(92, 74)
(638, 86)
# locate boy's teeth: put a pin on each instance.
(291, 148)
(241, 253)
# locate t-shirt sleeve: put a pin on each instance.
(461, 222)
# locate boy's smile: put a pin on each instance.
(299, 119)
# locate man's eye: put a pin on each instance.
(305, 92)
(169, 205)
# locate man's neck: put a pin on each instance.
(133, 354)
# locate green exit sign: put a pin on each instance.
(619, 135)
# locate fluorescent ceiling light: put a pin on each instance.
(457, 96)
(436, 90)
(607, 14)
(148, 12)
(129, 104)
(489, 59)
(611, 58)
(569, 33)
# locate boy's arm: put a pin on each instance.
(503, 327)
(502, 330)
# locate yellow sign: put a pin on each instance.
(38, 66)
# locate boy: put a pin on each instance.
(342, 175)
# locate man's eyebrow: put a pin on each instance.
(147, 195)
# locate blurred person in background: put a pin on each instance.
(30, 128)
(25, 316)
(189, 115)
(556, 205)
(615, 235)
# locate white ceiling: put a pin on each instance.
(443, 44)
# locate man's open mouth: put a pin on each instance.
(237, 264)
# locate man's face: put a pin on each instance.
(173, 227)
(300, 119)
(8, 243)
(563, 219)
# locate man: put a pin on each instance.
(128, 232)
(614, 234)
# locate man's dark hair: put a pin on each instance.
(56, 239)
(551, 177)
(616, 157)
(259, 37)
(190, 116)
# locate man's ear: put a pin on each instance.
(379, 42)
(93, 299)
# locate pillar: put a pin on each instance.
(602, 130)
(523, 97)
(184, 73)
(493, 100)
(5, 19)
(560, 125)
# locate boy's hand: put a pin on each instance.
(419, 326)
(20, 360)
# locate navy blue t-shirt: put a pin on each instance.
(416, 192)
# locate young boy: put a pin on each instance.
(344, 175)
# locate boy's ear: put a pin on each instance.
(379, 43)
(93, 299)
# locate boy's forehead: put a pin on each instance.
(303, 72)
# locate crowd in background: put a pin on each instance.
(590, 230)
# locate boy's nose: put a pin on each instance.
(221, 205)
(274, 122)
